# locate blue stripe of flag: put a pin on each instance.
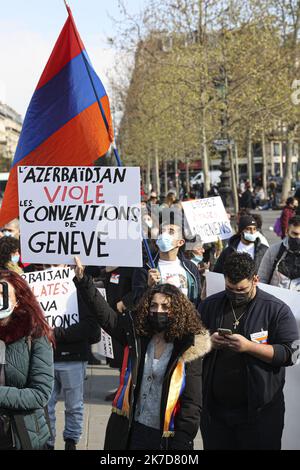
(68, 94)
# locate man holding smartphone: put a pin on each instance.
(254, 337)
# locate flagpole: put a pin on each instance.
(116, 153)
(92, 83)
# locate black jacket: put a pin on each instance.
(122, 291)
(247, 200)
(266, 313)
(190, 348)
(72, 343)
(140, 280)
(234, 241)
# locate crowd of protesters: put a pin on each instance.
(186, 360)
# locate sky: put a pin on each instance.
(29, 30)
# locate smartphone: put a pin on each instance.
(224, 331)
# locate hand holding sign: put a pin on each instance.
(121, 307)
(79, 269)
(154, 277)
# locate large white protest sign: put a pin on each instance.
(290, 440)
(57, 295)
(91, 212)
(208, 219)
(104, 347)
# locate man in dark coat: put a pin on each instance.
(247, 199)
(245, 241)
(254, 337)
(117, 283)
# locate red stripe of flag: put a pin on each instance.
(68, 46)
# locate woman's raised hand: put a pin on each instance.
(79, 269)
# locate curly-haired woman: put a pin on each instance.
(157, 405)
(26, 366)
(10, 254)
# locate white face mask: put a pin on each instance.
(7, 312)
(5, 301)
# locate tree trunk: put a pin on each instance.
(264, 162)
(237, 173)
(157, 178)
(205, 164)
(233, 181)
(272, 161)
(287, 180)
(249, 154)
(281, 165)
(202, 93)
(187, 176)
(148, 176)
(165, 177)
(143, 177)
(176, 174)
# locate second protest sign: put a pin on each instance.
(208, 219)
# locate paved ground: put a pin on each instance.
(269, 218)
(102, 379)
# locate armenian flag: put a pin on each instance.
(68, 122)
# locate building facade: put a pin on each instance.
(10, 129)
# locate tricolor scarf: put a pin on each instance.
(121, 402)
(176, 388)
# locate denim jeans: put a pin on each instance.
(68, 380)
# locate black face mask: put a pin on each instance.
(159, 321)
(294, 244)
(238, 299)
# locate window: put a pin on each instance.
(276, 149)
(257, 149)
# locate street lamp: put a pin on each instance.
(222, 145)
(225, 188)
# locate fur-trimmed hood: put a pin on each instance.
(201, 346)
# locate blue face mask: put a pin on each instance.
(6, 233)
(250, 237)
(197, 259)
(15, 259)
(165, 242)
